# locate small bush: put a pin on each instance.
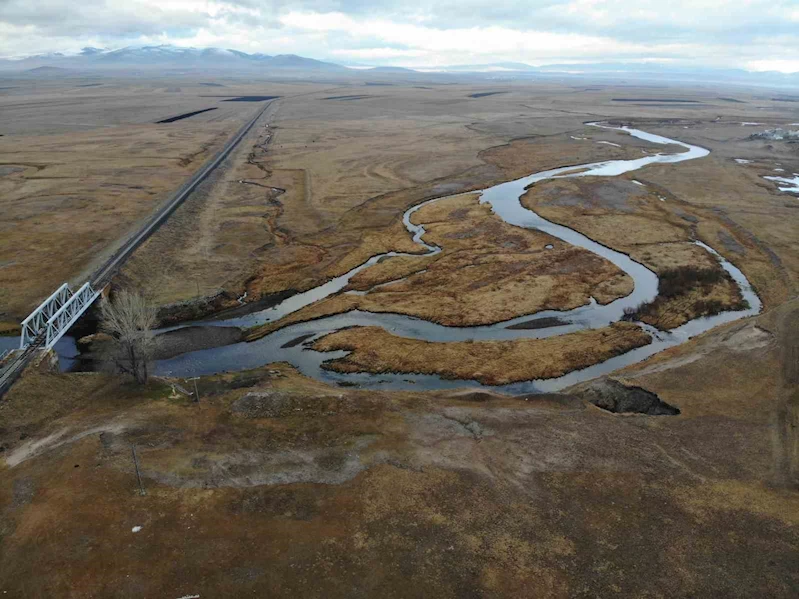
(678, 282)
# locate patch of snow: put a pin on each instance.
(792, 184)
(578, 138)
(661, 198)
(610, 143)
(779, 170)
(189, 597)
(776, 135)
(135, 529)
(747, 124)
(638, 183)
(742, 161)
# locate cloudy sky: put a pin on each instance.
(750, 34)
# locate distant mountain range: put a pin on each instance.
(626, 71)
(168, 57)
(174, 58)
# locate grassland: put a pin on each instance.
(275, 483)
(72, 190)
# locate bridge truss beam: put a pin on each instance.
(56, 315)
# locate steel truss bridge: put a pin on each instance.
(56, 315)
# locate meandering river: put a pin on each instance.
(505, 200)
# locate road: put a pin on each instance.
(102, 276)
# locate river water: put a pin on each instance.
(505, 201)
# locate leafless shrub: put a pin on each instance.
(679, 282)
(129, 319)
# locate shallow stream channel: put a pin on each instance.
(292, 343)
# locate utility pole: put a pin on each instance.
(196, 392)
(138, 474)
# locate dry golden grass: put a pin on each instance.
(389, 269)
(82, 167)
(634, 220)
(344, 492)
(369, 484)
(80, 194)
(488, 271)
(9, 328)
(490, 362)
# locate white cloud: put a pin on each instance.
(783, 66)
(746, 33)
(489, 41)
(377, 53)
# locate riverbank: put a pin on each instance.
(375, 351)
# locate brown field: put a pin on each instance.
(81, 170)
(275, 484)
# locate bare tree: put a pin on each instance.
(129, 319)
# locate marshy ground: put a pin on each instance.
(673, 477)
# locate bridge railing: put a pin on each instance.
(36, 322)
(69, 313)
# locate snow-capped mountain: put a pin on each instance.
(169, 57)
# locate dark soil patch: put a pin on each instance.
(251, 99)
(347, 97)
(297, 341)
(538, 323)
(662, 100)
(195, 309)
(730, 243)
(212, 84)
(179, 341)
(615, 397)
(484, 94)
(180, 117)
(732, 100)
(673, 105)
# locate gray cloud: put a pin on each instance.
(725, 33)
